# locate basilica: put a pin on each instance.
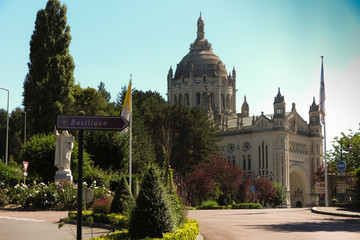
(280, 145)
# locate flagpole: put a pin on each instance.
(322, 112)
(130, 140)
(325, 169)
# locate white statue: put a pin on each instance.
(64, 146)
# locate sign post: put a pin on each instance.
(26, 164)
(341, 166)
(252, 192)
(82, 123)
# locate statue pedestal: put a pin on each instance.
(63, 174)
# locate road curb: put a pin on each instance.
(315, 210)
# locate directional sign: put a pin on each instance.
(91, 123)
(26, 164)
(320, 187)
(252, 189)
(341, 165)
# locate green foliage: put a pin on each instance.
(108, 149)
(349, 147)
(117, 220)
(186, 133)
(10, 174)
(279, 196)
(101, 205)
(39, 151)
(123, 200)
(37, 195)
(92, 102)
(188, 231)
(48, 83)
(66, 194)
(246, 206)
(357, 189)
(210, 204)
(152, 214)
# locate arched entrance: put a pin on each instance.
(299, 187)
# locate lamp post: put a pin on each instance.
(19, 110)
(7, 127)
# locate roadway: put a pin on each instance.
(38, 225)
(276, 224)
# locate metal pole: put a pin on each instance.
(325, 169)
(80, 182)
(25, 128)
(7, 127)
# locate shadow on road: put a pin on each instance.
(329, 225)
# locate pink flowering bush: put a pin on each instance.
(102, 205)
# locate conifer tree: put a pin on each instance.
(152, 214)
(48, 83)
(123, 200)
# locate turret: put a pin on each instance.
(200, 26)
(279, 105)
(314, 120)
(245, 109)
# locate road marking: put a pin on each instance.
(22, 219)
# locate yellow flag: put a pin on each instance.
(126, 110)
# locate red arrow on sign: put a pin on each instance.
(26, 164)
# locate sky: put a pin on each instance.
(271, 43)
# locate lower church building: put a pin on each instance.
(280, 145)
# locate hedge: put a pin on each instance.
(189, 231)
(112, 218)
(246, 206)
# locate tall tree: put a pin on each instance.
(47, 86)
(185, 133)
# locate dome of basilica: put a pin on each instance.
(201, 60)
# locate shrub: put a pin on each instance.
(39, 151)
(10, 174)
(246, 206)
(151, 216)
(123, 200)
(38, 196)
(210, 205)
(102, 205)
(66, 193)
(357, 189)
(4, 199)
(118, 220)
(188, 231)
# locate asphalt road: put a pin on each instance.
(276, 224)
(40, 225)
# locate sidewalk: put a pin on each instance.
(336, 211)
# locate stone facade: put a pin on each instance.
(280, 145)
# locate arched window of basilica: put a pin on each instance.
(198, 99)
(180, 98)
(228, 102)
(175, 99)
(212, 99)
(204, 78)
(186, 99)
(223, 101)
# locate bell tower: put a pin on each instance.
(314, 120)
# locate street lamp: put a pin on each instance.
(7, 127)
(19, 110)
